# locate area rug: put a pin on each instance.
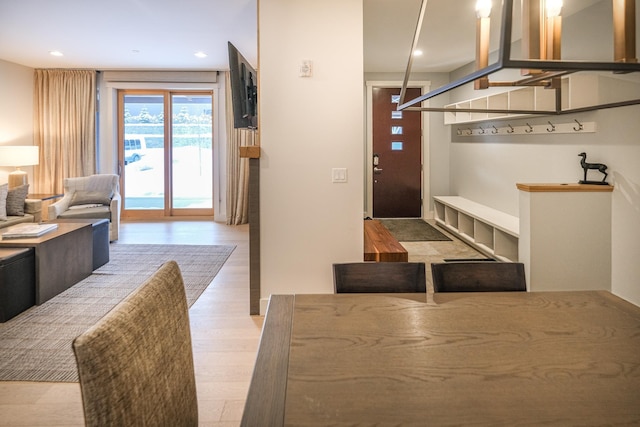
(36, 344)
(413, 230)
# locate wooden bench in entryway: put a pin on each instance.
(380, 245)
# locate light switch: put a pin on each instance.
(339, 175)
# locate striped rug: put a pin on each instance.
(36, 344)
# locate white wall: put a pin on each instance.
(307, 127)
(16, 110)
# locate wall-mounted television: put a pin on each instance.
(244, 90)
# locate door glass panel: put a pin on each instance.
(191, 152)
(144, 152)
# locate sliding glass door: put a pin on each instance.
(165, 153)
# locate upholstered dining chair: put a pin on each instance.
(478, 276)
(385, 277)
(136, 364)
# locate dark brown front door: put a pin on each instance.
(397, 156)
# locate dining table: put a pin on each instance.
(485, 358)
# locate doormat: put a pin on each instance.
(413, 230)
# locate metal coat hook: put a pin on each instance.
(482, 131)
(511, 129)
(530, 129)
(469, 131)
(552, 128)
(580, 127)
(495, 130)
(459, 132)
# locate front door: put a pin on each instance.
(397, 156)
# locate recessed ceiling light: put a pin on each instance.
(417, 52)
(55, 53)
(200, 54)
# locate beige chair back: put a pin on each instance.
(136, 364)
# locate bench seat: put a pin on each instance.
(380, 245)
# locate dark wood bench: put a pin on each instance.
(380, 245)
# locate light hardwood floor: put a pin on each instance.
(225, 337)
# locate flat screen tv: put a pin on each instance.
(244, 90)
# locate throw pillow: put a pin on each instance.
(15, 200)
(91, 197)
(4, 189)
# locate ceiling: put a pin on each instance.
(127, 34)
(165, 35)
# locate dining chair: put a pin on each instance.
(136, 364)
(478, 276)
(376, 277)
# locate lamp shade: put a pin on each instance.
(19, 155)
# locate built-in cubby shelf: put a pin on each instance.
(490, 231)
(578, 90)
(529, 98)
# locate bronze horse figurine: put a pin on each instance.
(586, 166)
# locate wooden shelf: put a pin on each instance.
(553, 188)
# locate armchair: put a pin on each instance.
(90, 197)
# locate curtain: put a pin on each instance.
(237, 167)
(64, 126)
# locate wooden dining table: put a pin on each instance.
(512, 358)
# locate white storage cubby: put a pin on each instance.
(490, 231)
(466, 225)
(578, 90)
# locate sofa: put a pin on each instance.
(90, 197)
(15, 208)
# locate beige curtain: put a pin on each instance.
(237, 167)
(64, 126)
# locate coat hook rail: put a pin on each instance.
(528, 129)
(551, 127)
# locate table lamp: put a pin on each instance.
(18, 156)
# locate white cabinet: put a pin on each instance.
(490, 231)
(565, 236)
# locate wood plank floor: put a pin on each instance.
(225, 337)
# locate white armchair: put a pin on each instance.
(90, 197)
